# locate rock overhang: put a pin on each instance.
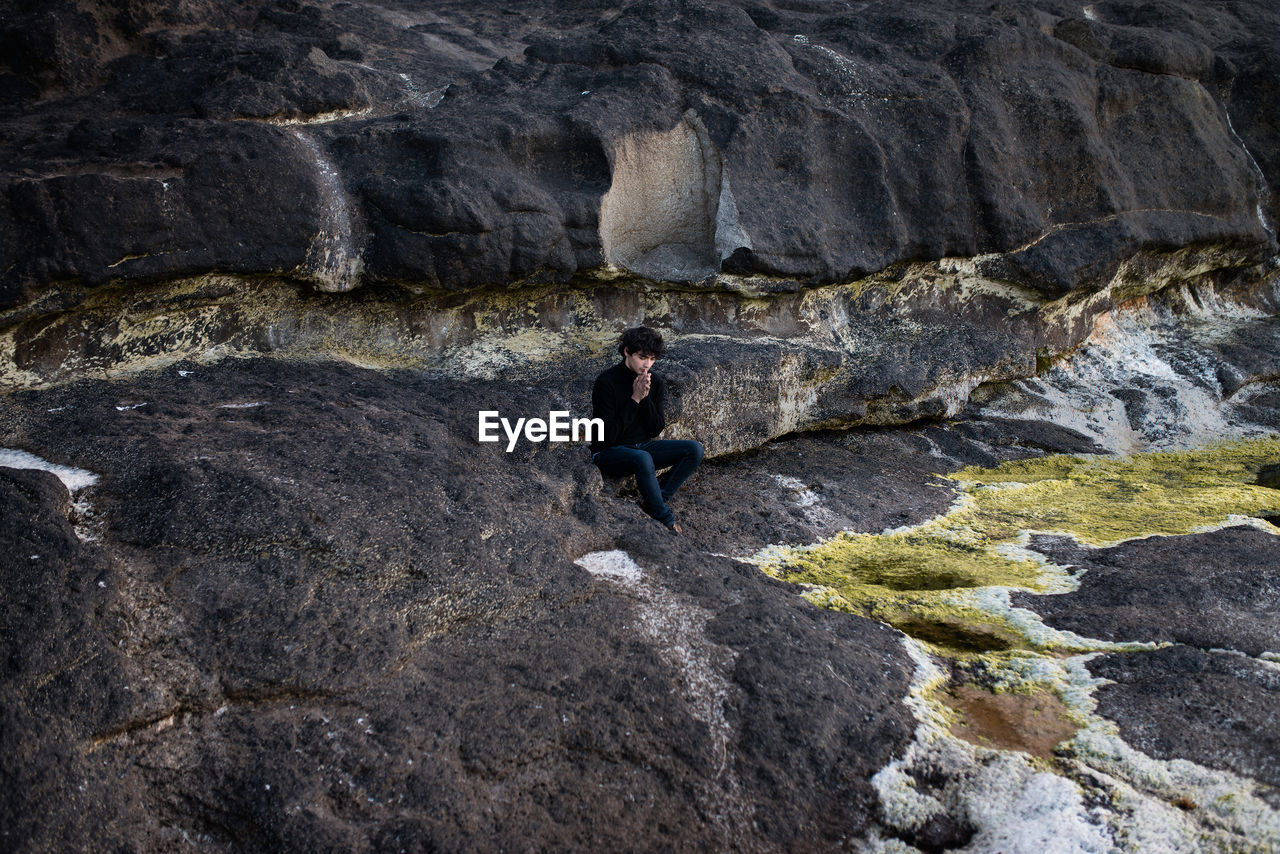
(849, 143)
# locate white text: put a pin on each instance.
(557, 428)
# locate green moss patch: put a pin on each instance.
(1103, 500)
(910, 578)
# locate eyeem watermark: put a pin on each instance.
(558, 427)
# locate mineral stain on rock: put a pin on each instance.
(913, 578)
(1033, 722)
(1018, 684)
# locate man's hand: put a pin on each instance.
(640, 388)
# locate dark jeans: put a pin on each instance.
(644, 460)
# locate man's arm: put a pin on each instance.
(653, 419)
(617, 411)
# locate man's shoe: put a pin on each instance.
(674, 528)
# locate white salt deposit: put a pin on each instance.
(1017, 808)
(73, 479)
(430, 100)
(809, 502)
(995, 601)
(804, 496)
(1014, 805)
(1142, 381)
(333, 261)
(613, 564)
(677, 630)
(1257, 171)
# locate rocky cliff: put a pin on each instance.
(265, 590)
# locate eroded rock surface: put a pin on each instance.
(474, 145)
(320, 615)
(1208, 591)
(1214, 708)
(1209, 696)
(303, 608)
(1178, 367)
(308, 577)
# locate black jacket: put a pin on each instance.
(625, 421)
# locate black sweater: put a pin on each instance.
(625, 421)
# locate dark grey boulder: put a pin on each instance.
(465, 146)
(1211, 591)
(1213, 708)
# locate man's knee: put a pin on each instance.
(631, 461)
(644, 463)
(691, 451)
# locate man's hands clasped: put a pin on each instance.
(640, 388)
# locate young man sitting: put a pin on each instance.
(628, 398)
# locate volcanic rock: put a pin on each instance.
(1209, 591)
(465, 146)
(321, 616)
(263, 265)
(1213, 708)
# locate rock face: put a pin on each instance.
(889, 208)
(1131, 593)
(1180, 367)
(313, 616)
(1212, 708)
(63, 677)
(1208, 697)
(261, 266)
(460, 146)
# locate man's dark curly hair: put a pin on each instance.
(643, 340)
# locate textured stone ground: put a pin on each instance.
(317, 613)
(303, 607)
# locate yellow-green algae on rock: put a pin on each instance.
(1102, 500)
(910, 578)
(1141, 803)
(1098, 788)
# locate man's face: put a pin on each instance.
(640, 363)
